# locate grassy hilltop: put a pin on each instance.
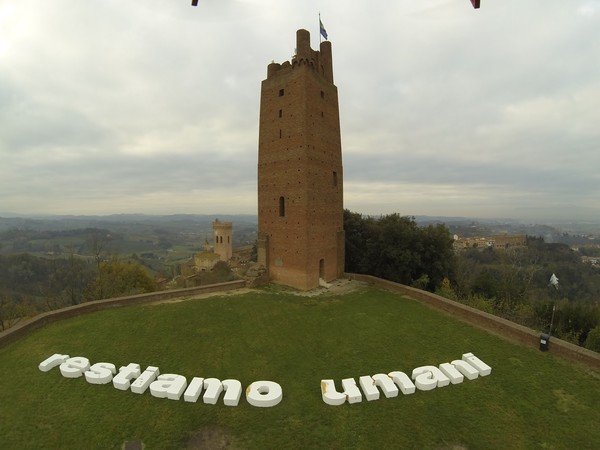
(530, 400)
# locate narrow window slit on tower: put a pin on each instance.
(281, 207)
(280, 112)
(335, 178)
(281, 92)
(322, 94)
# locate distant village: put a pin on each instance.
(503, 242)
(498, 242)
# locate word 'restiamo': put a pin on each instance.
(425, 378)
(262, 394)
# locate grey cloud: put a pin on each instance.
(137, 105)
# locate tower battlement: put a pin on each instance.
(317, 60)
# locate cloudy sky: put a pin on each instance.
(117, 106)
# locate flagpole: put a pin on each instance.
(552, 319)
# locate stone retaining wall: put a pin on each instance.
(27, 326)
(496, 325)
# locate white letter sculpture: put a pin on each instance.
(332, 397)
(55, 360)
(194, 390)
(100, 373)
(169, 386)
(429, 377)
(142, 382)
(74, 367)
(264, 394)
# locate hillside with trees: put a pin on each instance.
(512, 283)
(515, 283)
(53, 262)
(30, 284)
(50, 263)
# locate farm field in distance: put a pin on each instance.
(160, 243)
(530, 400)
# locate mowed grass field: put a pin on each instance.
(531, 399)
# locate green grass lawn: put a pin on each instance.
(531, 399)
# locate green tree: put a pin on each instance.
(393, 249)
(593, 339)
(397, 249)
(437, 258)
(118, 278)
(356, 228)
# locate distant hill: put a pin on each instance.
(65, 222)
(572, 232)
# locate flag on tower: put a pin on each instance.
(322, 29)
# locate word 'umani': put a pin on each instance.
(262, 394)
(425, 378)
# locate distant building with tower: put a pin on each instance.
(300, 175)
(205, 260)
(223, 239)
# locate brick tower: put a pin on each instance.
(300, 178)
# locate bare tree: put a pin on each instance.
(11, 311)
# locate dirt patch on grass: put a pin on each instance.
(133, 445)
(210, 438)
(336, 287)
(566, 402)
(207, 295)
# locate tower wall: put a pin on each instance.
(300, 174)
(222, 232)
